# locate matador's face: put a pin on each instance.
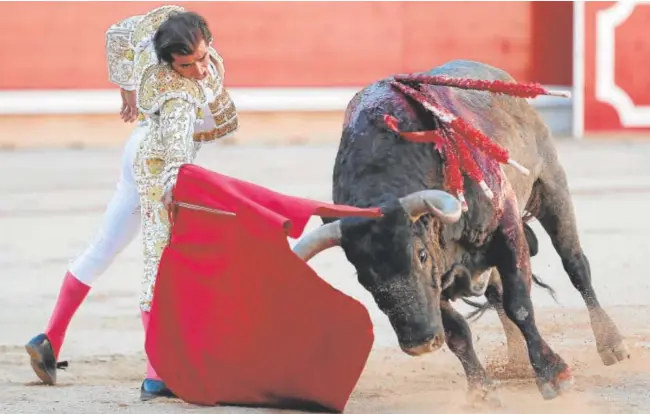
(195, 65)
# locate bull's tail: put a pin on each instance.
(548, 288)
(481, 308)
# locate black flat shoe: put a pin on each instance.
(42, 359)
(152, 388)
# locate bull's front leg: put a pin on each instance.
(512, 259)
(518, 365)
(459, 340)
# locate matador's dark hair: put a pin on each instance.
(179, 34)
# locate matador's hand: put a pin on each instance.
(129, 112)
(167, 200)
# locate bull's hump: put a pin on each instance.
(381, 98)
(470, 69)
(367, 109)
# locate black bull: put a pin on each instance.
(424, 252)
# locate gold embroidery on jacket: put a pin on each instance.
(166, 146)
(119, 52)
(152, 21)
(160, 83)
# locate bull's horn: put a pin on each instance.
(322, 238)
(439, 203)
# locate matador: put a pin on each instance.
(171, 78)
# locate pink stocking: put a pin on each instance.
(71, 294)
(151, 373)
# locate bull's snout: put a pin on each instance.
(429, 346)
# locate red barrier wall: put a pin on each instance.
(52, 45)
(623, 74)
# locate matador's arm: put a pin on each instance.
(120, 52)
(128, 35)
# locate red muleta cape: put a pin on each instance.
(237, 317)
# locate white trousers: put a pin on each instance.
(121, 221)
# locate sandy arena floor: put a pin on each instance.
(51, 201)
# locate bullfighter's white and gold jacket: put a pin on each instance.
(178, 113)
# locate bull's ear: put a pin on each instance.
(449, 278)
(531, 239)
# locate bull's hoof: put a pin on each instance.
(152, 388)
(615, 354)
(559, 384)
(609, 341)
(42, 359)
(484, 395)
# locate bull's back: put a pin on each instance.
(367, 146)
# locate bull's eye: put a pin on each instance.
(423, 255)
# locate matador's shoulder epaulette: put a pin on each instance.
(160, 83)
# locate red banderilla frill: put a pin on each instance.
(455, 136)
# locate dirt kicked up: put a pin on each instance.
(52, 200)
